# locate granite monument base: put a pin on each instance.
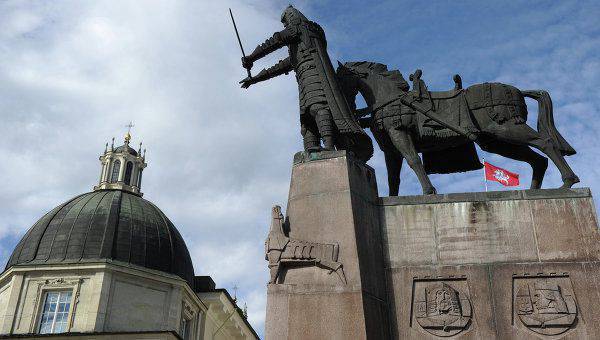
(332, 205)
(496, 265)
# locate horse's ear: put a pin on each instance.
(340, 64)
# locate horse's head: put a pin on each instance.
(350, 81)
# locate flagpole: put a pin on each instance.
(484, 177)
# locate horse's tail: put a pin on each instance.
(545, 123)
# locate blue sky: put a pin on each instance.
(73, 73)
(547, 45)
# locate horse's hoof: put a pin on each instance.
(535, 184)
(430, 191)
(569, 182)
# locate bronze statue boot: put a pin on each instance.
(328, 144)
(311, 144)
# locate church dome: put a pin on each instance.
(106, 226)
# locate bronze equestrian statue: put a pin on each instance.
(444, 126)
(324, 112)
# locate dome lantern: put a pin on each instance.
(122, 167)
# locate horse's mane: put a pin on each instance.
(372, 67)
(368, 66)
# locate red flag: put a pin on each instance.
(502, 176)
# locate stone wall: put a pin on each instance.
(119, 299)
(141, 305)
(163, 335)
(4, 298)
(498, 253)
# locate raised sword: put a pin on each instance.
(239, 40)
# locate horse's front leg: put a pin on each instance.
(404, 143)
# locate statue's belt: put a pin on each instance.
(410, 101)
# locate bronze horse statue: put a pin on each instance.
(444, 126)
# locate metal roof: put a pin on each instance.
(106, 225)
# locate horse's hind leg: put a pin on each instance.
(403, 142)
(393, 163)
(523, 134)
(538, 163)
(393, 160)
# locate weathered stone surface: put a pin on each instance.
(332, 200)
(458, 265)
(294, 313)
(492, 291)
(517, 226)
(497, 243)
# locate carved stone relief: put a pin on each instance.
(441, 306)
(282, 250)
(544, 304)
(62, 281)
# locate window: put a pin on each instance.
(128, 170)
(115, 171)
(139, 179)
(55, 313)
(102, 173)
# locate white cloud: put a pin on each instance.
(74, 73)
(18, 22)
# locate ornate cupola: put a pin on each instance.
(122, 167)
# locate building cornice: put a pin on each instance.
(108, 265)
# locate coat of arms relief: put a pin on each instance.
(441, 307)
(545, 304)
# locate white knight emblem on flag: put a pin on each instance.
(501, 176)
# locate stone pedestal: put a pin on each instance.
(332, 200)
(497, 265)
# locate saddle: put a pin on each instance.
(451, 106)
(420, 91)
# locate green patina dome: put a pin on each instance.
(106, 225)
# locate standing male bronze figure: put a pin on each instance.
(324, 111)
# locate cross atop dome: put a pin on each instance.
(128, 134)
(122, 166)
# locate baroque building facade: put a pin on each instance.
(110, 264)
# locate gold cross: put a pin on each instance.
(128, 135)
